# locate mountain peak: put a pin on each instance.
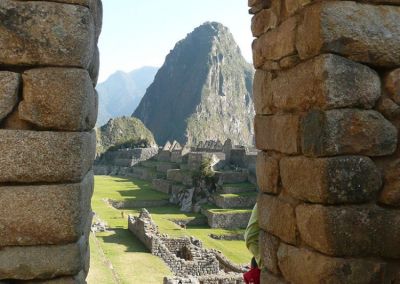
(202, 92)
(212, 26)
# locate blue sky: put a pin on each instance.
(140, 33)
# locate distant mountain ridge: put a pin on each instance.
(202, 92)
(121, 93)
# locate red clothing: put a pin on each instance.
(252, 276)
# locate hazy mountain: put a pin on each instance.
(121, 93)
(120, 130)
(203, 91)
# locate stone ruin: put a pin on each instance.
(49, 65)
(172, 171)
(210, 146)
(117, 163)
(326, 94)
(185, 256)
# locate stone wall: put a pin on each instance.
(48, 106)
(184, 256)
(223, 278)
(226, 220)
(115, 162)
(326, 95)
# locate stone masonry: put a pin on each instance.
(327, 100)
(49, 64)
(185, 256)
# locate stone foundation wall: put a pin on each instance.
(48, 106)
(326, 95)
(225, 278)
(226, 220)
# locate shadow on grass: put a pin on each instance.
(139, 183)
(142, 194)
(125, 238)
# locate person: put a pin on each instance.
(253, 275)
(251, 238)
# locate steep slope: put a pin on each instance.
(121, 93)
(202, 92)
(121, 130)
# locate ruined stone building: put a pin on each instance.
(185, 256)
(326, 95)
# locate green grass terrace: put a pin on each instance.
(118, 257)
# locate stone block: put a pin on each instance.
(390, 194)
(149, 174)
(267, 173)
(60, 280)
(289, 61)
(392, 85)
(268, 278)
(344, 179)
(360, 32)
(164, 156)
(275, 44)
(390, 168)
(325, 82)
(187, 179)
(176, 175)
(228, 220)
(176, 188)
(257, 5)
(52, 214)
(96, 9)
(163, 167)
(177, 156)
(51, 34)
(350, 231)
(227, 177)
(264, 21)
(262, 94)
(388, 108)
(162, 185)
(45, 157)
(299, 265)
(269, 246)
(277, 217)
(277, 132)
(42, 262)
(12, 121)
(68, 104)
(74, 2)
(9, 92)
(245, 187)
(348, 131)
(94, 67)
(289, 8)
(228, 201)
